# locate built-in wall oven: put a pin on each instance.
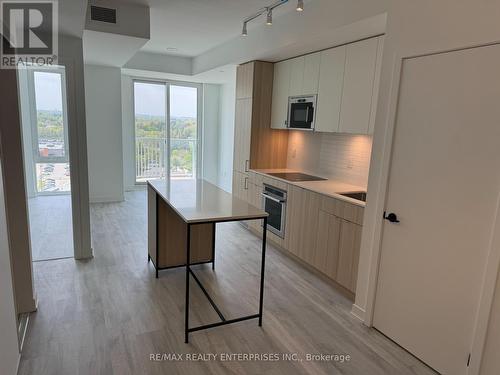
(301, 112)
(274, 203)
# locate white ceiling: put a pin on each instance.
(206, 33)
(195, 26)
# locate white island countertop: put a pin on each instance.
(199, 201)
(330, 187)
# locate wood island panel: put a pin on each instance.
(172, 237)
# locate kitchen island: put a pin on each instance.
(182, 218)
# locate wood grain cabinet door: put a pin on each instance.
(242, 134)
(244, 81)
(349, 244)
(327, 244)
(281, 85)
(302, 221)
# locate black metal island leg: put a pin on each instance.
(189, 271)
(262, 269)
(188, 261)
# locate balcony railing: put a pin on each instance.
(151, 158)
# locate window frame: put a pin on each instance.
(199, 122)
(35, 151)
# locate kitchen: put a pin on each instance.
(365, 142)
(302, 152)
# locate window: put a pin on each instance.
(166, 130)
(50, 132)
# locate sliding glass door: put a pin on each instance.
(150, 130)
(166, 130)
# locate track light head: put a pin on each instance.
(269, 18)
(300, 5)
(244, 31)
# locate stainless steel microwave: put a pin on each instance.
(301, 112)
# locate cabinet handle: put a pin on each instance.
(247, 165)
(246, 183)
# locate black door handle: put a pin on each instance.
(392, 217)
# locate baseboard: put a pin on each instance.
(358, 312)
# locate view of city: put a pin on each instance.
(151, 146)
(155, 149)
(54, 176)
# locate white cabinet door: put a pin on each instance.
(296, 76)
(311, 74)
(331, 78)
(357, 94)
(281, 85)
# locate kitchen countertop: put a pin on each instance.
(198, 201)
(331, 188)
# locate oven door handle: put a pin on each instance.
(267, 196)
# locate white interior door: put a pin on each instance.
(444, 184)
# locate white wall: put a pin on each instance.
(128, 142)
(9, 349)
(71, 56)
(414, 28)
(104, 133)
(226, 131)
(211, 129)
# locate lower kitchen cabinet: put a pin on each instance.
(337, 249)
(322, 231)
(240, 185)
(326, 257)
(301, 222)
(255, 199)
(349, 244)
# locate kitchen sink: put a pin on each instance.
(359, 195)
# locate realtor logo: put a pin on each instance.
(29, 33)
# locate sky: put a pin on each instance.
(150, 100)
(48, 91)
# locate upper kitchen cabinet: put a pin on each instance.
(310, 80)
(281, 86)
(256, 145)
(244, 79)
(346, 80)
(331, 81)
(359, 91)
(295, 77)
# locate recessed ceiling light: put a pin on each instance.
(172, 49)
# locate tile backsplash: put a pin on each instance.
(345, 157)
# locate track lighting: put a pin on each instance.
(269, 20)
(268, 11)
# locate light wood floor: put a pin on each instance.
(107, 315)
(51, 228)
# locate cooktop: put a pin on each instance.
(296, 177)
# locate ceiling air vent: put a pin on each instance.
(102, 14)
